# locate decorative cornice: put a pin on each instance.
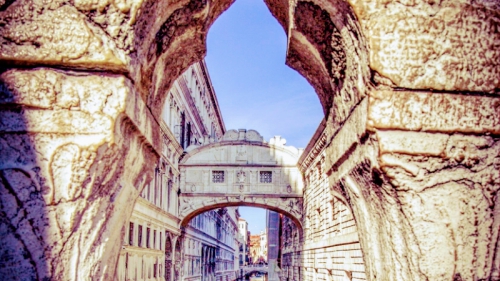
(171, 137)
(315, 147)
(191, 104)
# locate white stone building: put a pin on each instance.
(243, 251)
(154, 247)
(210, 246)
(263, 244)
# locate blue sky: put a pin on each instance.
(246, 49)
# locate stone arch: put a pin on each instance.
(270, 204)
(327, 50)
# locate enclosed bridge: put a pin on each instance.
(241, 170)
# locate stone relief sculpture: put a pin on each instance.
(241, 153)
(241, 176)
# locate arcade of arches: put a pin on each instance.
(409, 146)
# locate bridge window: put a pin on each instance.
(139, 236)
(217, 176)
(148, 232)
(131, 234)
(266, 177)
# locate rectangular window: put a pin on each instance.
(154, 239)
(147, 237)
(131, 234)
(266, 177)
(139, 236)
(155, 189)
(160, 187)
(169, 186)
(154, 270)
(218, 176)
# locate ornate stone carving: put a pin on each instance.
(241, 153)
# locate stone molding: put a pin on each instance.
(434, 112)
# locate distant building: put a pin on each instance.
(273, 223)
(258, 248)
(210, 246)
(263, 245)
(254, 248)
(243, 251)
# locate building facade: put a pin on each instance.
(330, 248)
(258, 248)
(263, 245)
(210, 246)
(155, 246)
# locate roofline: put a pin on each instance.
(215, 102)
(310, 146)
(198, 149)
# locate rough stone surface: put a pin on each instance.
(424, 111)
(63, 188)
(329, 50)
(34, 32)
(431, 217)
(441, 45)
(450, 196)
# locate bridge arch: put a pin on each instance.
(241, 170)
(247, 274)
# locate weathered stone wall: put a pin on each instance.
(67, 174)
(417, 167)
